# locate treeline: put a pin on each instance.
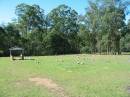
(62, 31)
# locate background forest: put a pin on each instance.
(103, 29)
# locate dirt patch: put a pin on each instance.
(51, 85)
(128, 89)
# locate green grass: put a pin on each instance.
(79, 75)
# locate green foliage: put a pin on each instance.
(101, 30)
(105, 25)
(10, 36)
(2, 37)
(57, 44)
(64, 19)
(30, 17)
(125, 43)
(13, 35)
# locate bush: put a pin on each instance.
(85, 50)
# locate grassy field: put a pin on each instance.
(67, 76)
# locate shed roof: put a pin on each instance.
(16, 48)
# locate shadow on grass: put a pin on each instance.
(29, 59)
(26, 58)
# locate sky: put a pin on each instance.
(7, 7)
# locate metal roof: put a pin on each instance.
(16, 48)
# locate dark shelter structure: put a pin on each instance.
(16, 51)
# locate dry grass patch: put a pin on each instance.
(51, 85)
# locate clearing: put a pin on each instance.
(66, 76)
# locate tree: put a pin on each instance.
(116, 13)
(30, 17)
(125, 40)
(56, 44)
(2, 40)
(105, 21)
(93, 23)
(33, 25)
(63, 19)
(101, 30)
(84, 36)
(13, 35)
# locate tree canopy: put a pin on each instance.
(63, 31)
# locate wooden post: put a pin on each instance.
(11, 56)
(22, 55)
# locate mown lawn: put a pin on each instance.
(78, 75)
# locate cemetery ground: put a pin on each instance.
(66, 76)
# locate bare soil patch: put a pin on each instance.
(51, 85)
(128, 89)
